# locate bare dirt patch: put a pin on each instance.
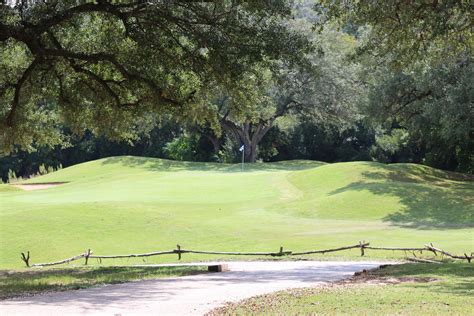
(372, 277)
(37, 186)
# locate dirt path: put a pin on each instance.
(194, 295)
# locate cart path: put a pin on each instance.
(196, 294)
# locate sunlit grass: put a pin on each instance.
(126, 205)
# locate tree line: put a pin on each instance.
(192, 80)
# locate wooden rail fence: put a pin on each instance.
(362, 245)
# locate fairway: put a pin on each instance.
(130, 204)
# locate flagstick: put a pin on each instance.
(243, 151)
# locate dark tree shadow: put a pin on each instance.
(461, 273)
(163, 165)
(430, 198)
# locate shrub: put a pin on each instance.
(181, 148)
(42, 170)
(11, 176)
(229, 152)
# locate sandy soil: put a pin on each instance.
(37, 186)
(189, 295)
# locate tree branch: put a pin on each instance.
(413, 99)
(18, 86)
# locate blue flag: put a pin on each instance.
(242, 148)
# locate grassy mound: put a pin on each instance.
(132, 204)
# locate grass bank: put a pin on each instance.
(407, 289)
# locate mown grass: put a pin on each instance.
(451, 293)
(23, 283)
(123, 205)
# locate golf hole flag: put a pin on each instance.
(241, 149)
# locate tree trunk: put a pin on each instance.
(215, 141)
(248, 135)
(251, 152)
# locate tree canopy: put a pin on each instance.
(417, 57)
(106, 65)
(406, 30)
(323, 88)
(194, 80)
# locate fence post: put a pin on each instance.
(362, 245)
(179, 251)
(26, 259)
(86, 256)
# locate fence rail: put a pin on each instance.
(362, 245)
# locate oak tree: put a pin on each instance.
(112, 66)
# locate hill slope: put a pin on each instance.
(133, 204)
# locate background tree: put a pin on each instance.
(418, 61)
(405, 30)
(435, 105)
(324, 89)
(402, 98)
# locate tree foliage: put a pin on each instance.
(106, 65)
(419, 73)
(436, 106)
(324, 87)
(194, 80)
(406, 30)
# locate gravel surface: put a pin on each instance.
(189, 295)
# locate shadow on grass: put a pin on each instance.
(459, 288)
(458, 269)
(155, 164)
(454, 278)
(463, 288)
(431, 198)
